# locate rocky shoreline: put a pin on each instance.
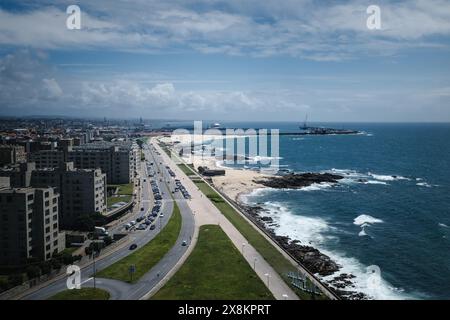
(310, 257)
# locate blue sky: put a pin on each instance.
(229, 60)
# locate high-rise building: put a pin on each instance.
(10, 154)
(29, 225)
(82, 191)
(118, 160)
(19, 174)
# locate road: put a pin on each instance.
(206, 213)
(121, 290)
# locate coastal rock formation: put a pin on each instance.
(298, 180)
(311, 258)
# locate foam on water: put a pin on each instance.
(387, 177)
(310, 231)
(365, 220)
(316, 187)
(376, 182)
(423, 184)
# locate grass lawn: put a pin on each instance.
(258, 241)
(147, 256)
(81, 294)
(185, 169)
(125, 191)
(113, 200)
(214, 270)
(70, 250)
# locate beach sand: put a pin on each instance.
(235, 182)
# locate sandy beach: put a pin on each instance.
(235, 182)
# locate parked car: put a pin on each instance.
(152, 227)
(133, 246)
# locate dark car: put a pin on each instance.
(133, 246)
(152, 227)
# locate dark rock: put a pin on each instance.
(295, 181)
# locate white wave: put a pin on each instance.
(362, 233)
(310, 230)
(264, 158)
(423, 184)
(375, 182)
(306, 229)
(365, 219)
(363, 282)
(386, 177)
(247, 197)
(316, 187)
(443, 225)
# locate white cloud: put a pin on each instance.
(52, 88)
(308, 29)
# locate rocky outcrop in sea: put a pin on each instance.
(298, 180)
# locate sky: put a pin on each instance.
(246, 60)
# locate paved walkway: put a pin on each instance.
(206, 213)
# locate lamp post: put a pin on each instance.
(243, 246)
(94, 255)
(254, 263)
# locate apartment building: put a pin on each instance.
(118, 160)
(18, 174)
(10, 154)
(82, 191)
(29, 225)
(48, 158)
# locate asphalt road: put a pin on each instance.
(121, 290)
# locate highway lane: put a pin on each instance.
(122, 290)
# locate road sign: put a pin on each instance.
(131, 270)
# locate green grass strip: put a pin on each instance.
(81, 294)
(215, 270)
(281, 265)
(149, 255)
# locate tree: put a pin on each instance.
(107, 240)
(88, 251)
(46, 267)
(67, 258)
(33, 272)
(15, 279)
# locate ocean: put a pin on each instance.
(392, 209)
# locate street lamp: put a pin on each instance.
(243, 246)
(254, 263)
(94, 255)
